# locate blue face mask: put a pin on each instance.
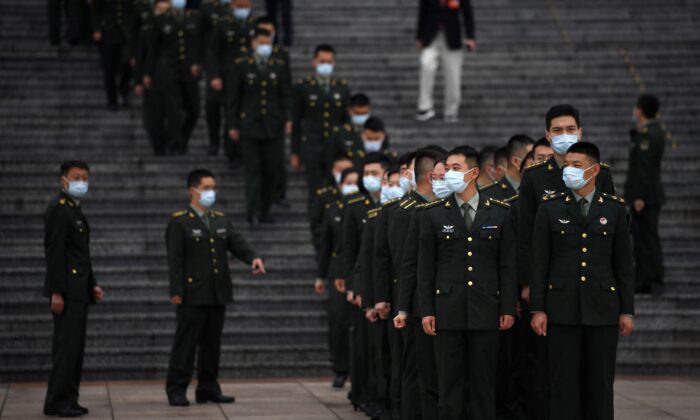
(241, 13)
(359, 119)
(349, 189)
(372, 183)
(440, 189)
(455, 181)
(562, 142)
(263, 50)
(405, 184)
(324, 69)
(77, 189)
(390, 193)
(574, 177)
(413, 179)
(178, 4)
(207, 198)
(372, 146)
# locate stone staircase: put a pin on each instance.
(532, 54)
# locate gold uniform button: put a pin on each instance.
(550, 287)
(74, 271)
(447, 237)
(469, 239)
(263, 111)
(264, 83)
(263, 102)
(395, 281)
(470, 283)
(605, 233)
(470, 268)
(612, 289)
(213, 250)
(583, 279)
(326, 105)
(584, 236)
(211, 240)
(583, 264)
(469, 254)
(437, 292)
(81, 231)
(562, 232)
(189, 279)
(216, 271)
(584, 250)
(214, 260)
(326, 115)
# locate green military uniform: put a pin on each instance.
(198, 268)
(583, 279)
(647, 146)
(257, 94)
(498, 190)
(68, 272)
(466, 279)
(347, 141)
(280, 190)
(419, 374)
(212, 11)
(175, 46)
(329, 261)
(229, 41)
(318, 105)
(325, 197)
(113, 19)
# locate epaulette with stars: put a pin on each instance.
(511, 199)
(498, 202)
(612, 197)
(218, 213)
(240, 60)
(408, 203)
(548, 197)
(434, 203)
(321, 191)
(391, 202)
(356, 200)
(371, 214)
(180, 213)
(535, 165)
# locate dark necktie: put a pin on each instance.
(467, 217)
(582, 205)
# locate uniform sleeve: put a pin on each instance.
(623, 265)
(351, 247)
(381, 276)
(134, 34)
(286, 92)
(639, 184)
(233, 98)
(468, 16)
(541, 252)
(152, 49)
(527, 204)
(506, 267)
(365, 263)
(56, 225)
(326, 249)
(409, 263)
(605, 182)
(297, 111)
(427, 267)
(239, 247)
(212, 60)
(175, 243)
(96, 15)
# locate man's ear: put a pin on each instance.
(595, 169)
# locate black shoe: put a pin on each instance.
(266, 218)
(283, 202)
(180, 401)
(64, 412)
(218, 399)
(340, 380)
(81, 408)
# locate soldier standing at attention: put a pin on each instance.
(645, 194)
(198, 240)
(582, 294)
(319, 103)
(111, 21)
(257, 96)
(466, 288)
(70, 284)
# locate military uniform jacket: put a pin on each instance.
(175, 45)
(582, 268)
(212, 11)
(198, 260)
(315, 112)
(538, 180)
(407, 301)
(364, 286)
(498, 190)
(113, 19)
(384, 272)
(141, 22)
(356, 208)
(644, 175)
(466, 278)
(67, 250)
(329, 260)
(230, 40)
(257, 98)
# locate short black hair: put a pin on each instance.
(586, 148)
(70, 164)
(393, 170)
(347, 172)
(324, 48)
(501, 155)
(261, 32)
(542, 141)
(434, 147)
(359, 99)
(529, 155)
(379, 158)
(375, 124)
(265, 20)
(195, 177)
(471, 156)
(649, 105)
(341, 156)
(425, 162)
(517, 143)
(562, 110)
(487, 153)
(406, 158)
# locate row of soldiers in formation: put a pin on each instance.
(487, 285)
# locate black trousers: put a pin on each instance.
(380, 365)
(410, 408)
(260, 173)
(198, 332)
(395, 340)
(427, 371)
(281, 185)
(214, 110)
(116, 71)
(77, 16)
(467, 359)
(359, 368)
(67, 350)
(582, 371)
(338, 329)
(648, 256)
(191, 105)
(287, 25)
(534, 377)
(155, 128)
(168, 113)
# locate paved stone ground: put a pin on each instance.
(636, 398)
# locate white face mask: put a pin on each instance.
(455, 180)
(349, 189)
(372, 183)
(562, 142)
(207, 198)
(390, 193)
(574, 177)
(372, 146)
(77, 189)
(440, 188)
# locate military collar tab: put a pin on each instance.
(498, 202)
(391, 202)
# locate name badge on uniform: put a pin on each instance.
(167, 29)
(196, 232)
(222, 230)
(564, 221)
(448, 229)
(313, 97)
(489, 227)
(336, 96)
(251, 75)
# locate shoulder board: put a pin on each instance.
(240, 60)
(486, 187)
(604, 165)
(371, 214)
(554, 196)
(408, 203)
(347, 127)
(613, 197)
(513, 198)
(339, 204)
(536, 165)
(320, 191)
(499, 202)
(62, 201)
(180, 213)
(219, 214)
(405, 201)
(391, 202)
(356, 200)
(434, 203)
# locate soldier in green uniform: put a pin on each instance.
(319, 103)
(111, 21)
(173, 68)
(466, 288)
(70, 285)
(325, 197)
(212, 11)
(582, 293)
(373, 138)
(198, 240)
(229, 41)
(516, 149)
(348, 138)
(645, 194)
(329, 261)
(257, 97)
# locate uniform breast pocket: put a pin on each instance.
(565, 234)
(450, 242)
(490, 233)
(603, 235)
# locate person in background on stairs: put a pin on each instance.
(347, 139)
(542, 151)
(71, 286)
(487, 170)
(77, 15)
(198, 240)
(111, 20)
(286, 11)
(645, 195)
(439, 39)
